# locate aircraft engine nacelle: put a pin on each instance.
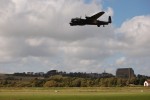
(87, 17)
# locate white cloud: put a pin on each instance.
(35, 35)
(121, 61)
(40, 29)
(136, 36)
(135, 42)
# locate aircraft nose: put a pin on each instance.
(71, 24)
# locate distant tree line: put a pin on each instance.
(71, 74)
(68, 81)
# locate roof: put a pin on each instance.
(148, 81)
(124, 70)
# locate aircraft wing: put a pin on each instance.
(96, 16)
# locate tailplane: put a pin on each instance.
(109, 19)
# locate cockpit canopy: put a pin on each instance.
(75, 19)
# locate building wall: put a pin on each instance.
(147, 83)
(125, 73)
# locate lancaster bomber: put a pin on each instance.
(90, 20)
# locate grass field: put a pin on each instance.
(94, 93)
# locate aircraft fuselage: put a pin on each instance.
(90, 20)
(82, 22)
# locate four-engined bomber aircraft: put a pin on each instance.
(90, 20)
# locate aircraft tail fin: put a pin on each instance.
(109, 19)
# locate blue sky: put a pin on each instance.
(34, 37)
(126, 9)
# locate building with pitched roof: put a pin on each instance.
(125, 73)
(147, 83)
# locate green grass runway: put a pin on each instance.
(125, 93)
